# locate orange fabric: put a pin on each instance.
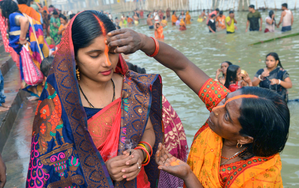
(106, 124)
(46, 9)
(205, 153)
(61, 27)
(29, 11)
(188, 18)
(130, 20)
(174, 18)
(159, 33)
(221, 21)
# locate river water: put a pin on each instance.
(207, 51)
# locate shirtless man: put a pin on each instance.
(149, 21)
(286, 19)
(203, 14)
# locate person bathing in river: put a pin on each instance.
(223, 69)
(159, 31)
(215, 12)
(239, 144)
(273, 77)
(253, 18)
(149, 21)
(270, 22)
(164, 22)
(236, 79)
(174, 18)
(182, 25)
(188, 18)
(230, 22)
(287, 18)
(212, 24)
(221, 21)
(202, 16)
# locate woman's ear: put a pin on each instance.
(245, 140)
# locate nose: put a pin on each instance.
(107, 61)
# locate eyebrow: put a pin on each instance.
(92, 51)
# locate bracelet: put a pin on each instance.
(147, 159)
(157, 48)
(279, 81)
(260, 78)
(22, 39)
(147, 145)
(216, 80)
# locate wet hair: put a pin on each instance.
(271, 12)
(221, 12)
(45, 65)
(266, 119)
(231, 74)
(276, 57)
(251, 6)
(8, 7)
(86, 28)
(213, 15)
(20, 2)
(231, 12)
(217, 9)
(285, 5)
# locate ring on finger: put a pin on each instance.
(139, 167)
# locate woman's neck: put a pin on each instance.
(92, 85)
(270, 70)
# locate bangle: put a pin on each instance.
(279, 81)
(260, 78)
(157, 48)
(216, 80)
(22, 39)
(147, 144)
(147, 159)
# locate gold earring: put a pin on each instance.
(78, 74)
(216, 114)
(239, 145)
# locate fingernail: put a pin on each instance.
(124, 176)
(123, 170)
(127, 163)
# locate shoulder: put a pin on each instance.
(227, 18)
(260, 71)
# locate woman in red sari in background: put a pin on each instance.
(239, 145)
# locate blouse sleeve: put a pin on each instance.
(212, 93)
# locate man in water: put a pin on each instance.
(149, 21)
(230, 23)
(212, 24)
(203, 14)
(253, 18)
(286, 18)
(221, 20)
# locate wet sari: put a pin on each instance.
(174, 18)
(38, 48)
(188, 18)
(54, 31)
(205, 155)
(65, 151)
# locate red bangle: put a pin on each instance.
(157, 48)
(22, 39)
(143, 142)
(148, 156)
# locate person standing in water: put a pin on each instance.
(212, 24)
(149, 21)
(286, 18)
(174, 18)
(273, 77)
(223, 69)
(230, 22)
(221, 20)
(270, 22)
(253, 18)
(215, 12)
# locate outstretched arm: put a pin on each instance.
(128, 41)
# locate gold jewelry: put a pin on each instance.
(78, 74)
(216, 114)
(239, 145)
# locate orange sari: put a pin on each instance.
(205, 155)
(173, 19)
(159, 33)
(29, 11)
(188, 18)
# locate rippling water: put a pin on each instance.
(207, 51)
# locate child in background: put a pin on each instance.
(45, 67)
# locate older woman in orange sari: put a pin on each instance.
(188, 18)
(239, 144)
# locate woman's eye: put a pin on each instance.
(226, 116)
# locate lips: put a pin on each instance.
(106, 73)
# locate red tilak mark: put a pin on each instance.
(106, 46)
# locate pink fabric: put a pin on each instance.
(214, 12)
(32, 75)
(175, 142)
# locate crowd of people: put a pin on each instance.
(102, 121)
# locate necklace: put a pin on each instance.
(232, 157)
(90, 105)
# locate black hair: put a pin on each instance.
(63, 17)
(221, 12)
(251, 6)
(51, 6)
(8, 7)
(20, 2)
(164, 17)
(86, 28)
(204, 10)
(285, 5)
(213, 15)
(229, 64)
(72, 15)
(135, 68)
(55, 12)
(217, 9)
(116, 17)
(231, 11)
(231, 74)
(46, 65)
(271, 12)
(276, 57)
(147, 15)
(45, 11)
(266, 119)
(173, 12)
